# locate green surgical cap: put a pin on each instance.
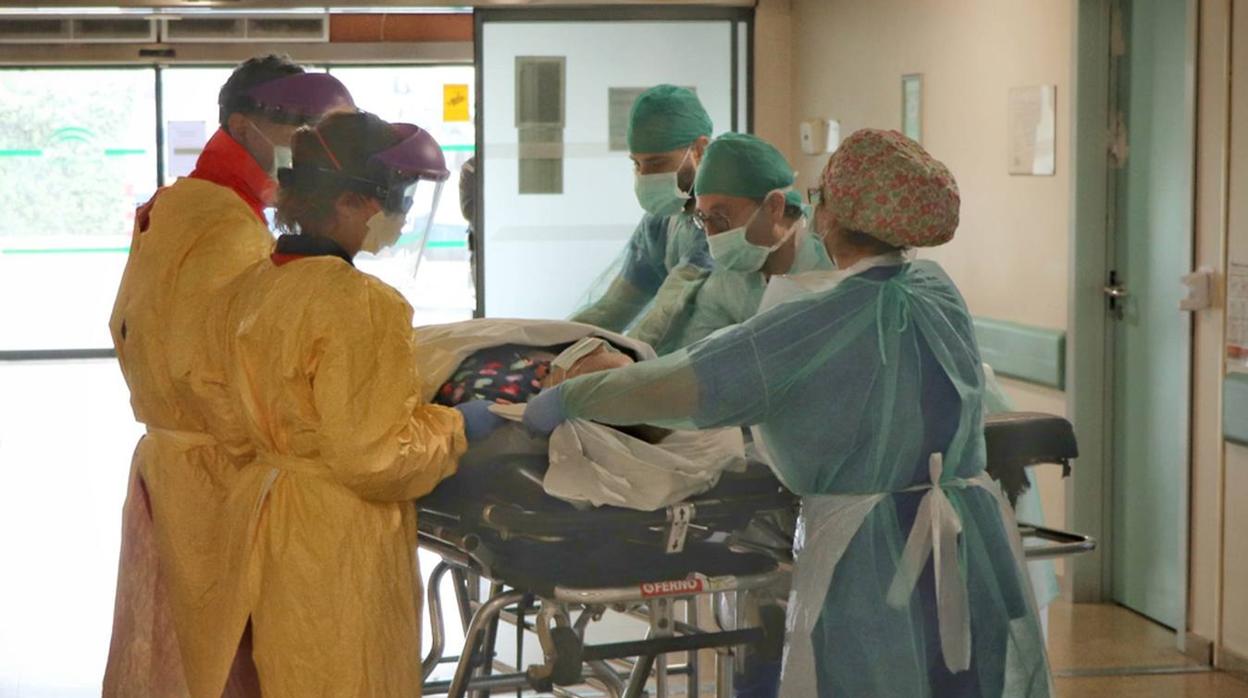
(738, 164)
(793, 197)
(666, 117)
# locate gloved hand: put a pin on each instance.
(479, 421)
(545, 412)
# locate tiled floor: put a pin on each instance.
(1107, 636)
(1104, 651)
(1207, 685)
(1087, 638)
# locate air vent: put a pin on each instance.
(114, 29)
(205, 29)
(289, 29)
(26, 30)
(304, 28)
(31, 30)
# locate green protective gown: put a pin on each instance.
(694, 302)
(909, 578)
(658, 245)
(693, 298)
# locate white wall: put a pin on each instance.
(1234, 577)
(1010, 255)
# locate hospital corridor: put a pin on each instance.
(624, 348)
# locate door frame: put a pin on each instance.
(742, 104)
(1089, 395)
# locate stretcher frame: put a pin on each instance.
(1044, 439)
(568, 661)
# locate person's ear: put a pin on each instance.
(236, 126)
(824, 223)
(699, 149)
(775, 203)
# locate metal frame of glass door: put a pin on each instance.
(738, 16)
(1089, 387)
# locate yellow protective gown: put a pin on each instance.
(323, 368)
(199, 236)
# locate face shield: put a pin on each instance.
(410, 175)
(295, 100)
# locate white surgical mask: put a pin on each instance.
(384, 229)
(660, 193)
(809, 252)
(282, 156)
(732, 250)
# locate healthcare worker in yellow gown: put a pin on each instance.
(323, 371)
(189, 241)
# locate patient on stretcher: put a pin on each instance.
(514, 374)
(587, 464)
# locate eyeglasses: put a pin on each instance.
(713, 224)
(815, 196)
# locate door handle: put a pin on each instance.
(1116, 294)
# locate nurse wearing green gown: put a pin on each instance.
(739, 174)
(668, 131)
(670, 288)
(869, 391)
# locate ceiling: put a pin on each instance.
(10, 7)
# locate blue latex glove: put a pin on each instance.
(545, 412)
(479, 421)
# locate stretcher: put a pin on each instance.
(553, 568)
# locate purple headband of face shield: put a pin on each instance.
(301, 98)
(417, 156)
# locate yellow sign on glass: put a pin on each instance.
(455, 103)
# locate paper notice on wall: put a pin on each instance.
(185, 141)
(912, 107)
(1032, 130)
(1237, 315)
(454, 103)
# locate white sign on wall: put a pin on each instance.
(1033, 131)
(185, 140)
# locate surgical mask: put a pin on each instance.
(809, 253)
(384, 229)
(282, 155)
(660, 193)
(731, 250)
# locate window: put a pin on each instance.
(77, 155)
(189, 111)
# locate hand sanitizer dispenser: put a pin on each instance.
(820, 137)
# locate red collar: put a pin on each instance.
(225, 162)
